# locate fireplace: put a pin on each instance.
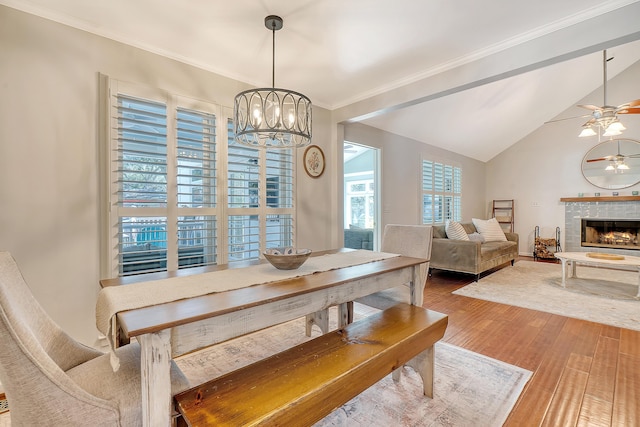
(611, 233)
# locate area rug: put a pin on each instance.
(598, 294)
(469, 389)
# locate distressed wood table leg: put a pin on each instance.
(564, 273)
(573, 269)
(155, 378)
(415, 290)
(345, 314)
(638, 294)
(320, 318)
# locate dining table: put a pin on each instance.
(251, 295)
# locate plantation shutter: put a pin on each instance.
(169, 205)
(142, 152)
(279, 176)
(196, 182)
(260, 200)
(141, 155)
(427, 190)
(164, 189)
(441, 192)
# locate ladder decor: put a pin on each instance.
(503, 213)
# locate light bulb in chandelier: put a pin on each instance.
(257, 116)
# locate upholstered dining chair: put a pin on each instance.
(50, 379)
(408, 240)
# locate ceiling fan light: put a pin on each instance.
(616, 126)
(623, 166)
(588, 131)
(609, 168)
(611, 132)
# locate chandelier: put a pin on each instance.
(271, 117)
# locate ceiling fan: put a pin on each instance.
(606, 117)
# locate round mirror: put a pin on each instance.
(613, 164)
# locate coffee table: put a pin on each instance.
(573, 258)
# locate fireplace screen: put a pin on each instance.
(611, 233)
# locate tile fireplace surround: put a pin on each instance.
(596, 207)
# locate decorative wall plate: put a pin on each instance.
(313, 159)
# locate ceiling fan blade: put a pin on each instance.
(633, 156)
(589, 107)
(568, 118)
(629, 110)
(596, 160)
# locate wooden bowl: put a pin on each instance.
(286, 258)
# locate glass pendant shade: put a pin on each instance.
(616, 126)
(588, 131)
(611, 132)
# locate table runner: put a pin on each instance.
(114, 299)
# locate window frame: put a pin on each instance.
(111, 211)
(450, 194)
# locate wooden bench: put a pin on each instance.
(303, 384)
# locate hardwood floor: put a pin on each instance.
(584, 373)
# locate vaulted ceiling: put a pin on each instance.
(471, 77)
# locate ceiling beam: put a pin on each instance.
(592, 35)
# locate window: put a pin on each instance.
(165, 159)
(441, 192)
(359, 197)
(260, 202)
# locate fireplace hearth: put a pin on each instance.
(611, 233)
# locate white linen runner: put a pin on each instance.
(114, 299)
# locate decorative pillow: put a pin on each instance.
(489, 229)
(455, 231)
(476, 237)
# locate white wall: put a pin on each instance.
(50, 216)
(545, 166)
(402, 174)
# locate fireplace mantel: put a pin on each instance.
(602, 199)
